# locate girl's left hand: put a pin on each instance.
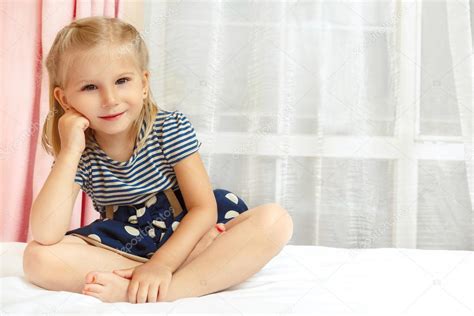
(149, 282)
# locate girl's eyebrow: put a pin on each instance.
(83, 80)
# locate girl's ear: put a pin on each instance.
(145, 80)
(60, 97)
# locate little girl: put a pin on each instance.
(157, 237)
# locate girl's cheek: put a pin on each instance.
(89, 105)
(88, 114)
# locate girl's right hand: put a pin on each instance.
(72, 126)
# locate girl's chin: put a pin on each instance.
(112, 130)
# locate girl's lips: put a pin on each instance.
(109, 118)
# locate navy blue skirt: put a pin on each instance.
(137, 231)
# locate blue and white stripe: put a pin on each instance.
(110, 182)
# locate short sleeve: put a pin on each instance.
(81, 175)
(179, 138)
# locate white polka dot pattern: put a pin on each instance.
(151, 233)
(231, 214)
(132, 230)
(95, 237)
(133, 219)
(231, 196)
(141, 211)
(159, 224)
(174, 225)
(150, 202)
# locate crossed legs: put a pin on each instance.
(259, 234)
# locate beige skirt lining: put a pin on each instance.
(101, 245)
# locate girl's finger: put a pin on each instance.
(153, 293)
(132, 292)
(163, 291)
(142, 293)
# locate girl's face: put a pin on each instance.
(102, 83)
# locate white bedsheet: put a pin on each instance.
(300, 279)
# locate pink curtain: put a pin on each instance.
(27, 30)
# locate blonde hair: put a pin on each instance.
(82, 35)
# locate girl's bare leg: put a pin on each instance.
(212, 234)
(236, 255)
(258, 233)
(63, 266)
(250, 241)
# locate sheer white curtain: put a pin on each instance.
(460, 16)
(355, 116)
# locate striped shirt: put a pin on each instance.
(147, 172)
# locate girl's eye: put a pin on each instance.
(125, 78)
(86, 88)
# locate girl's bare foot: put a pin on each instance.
(205, 241)
(110, 287)
(106, 286)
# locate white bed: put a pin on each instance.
(301, 279)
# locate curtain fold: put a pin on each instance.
(461, 47)
(20, 64)
(307, 104)
(27, 31)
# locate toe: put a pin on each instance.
(91, 294)
(93, 288)
(102, 277)
(91, 277)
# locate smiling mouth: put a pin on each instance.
(111, 116)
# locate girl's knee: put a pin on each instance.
(33, 258)
(274, 221)
(272, 214)
(31, 250)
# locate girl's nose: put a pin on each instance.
(109, 97)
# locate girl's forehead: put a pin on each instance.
(93, 63)
(102, 57)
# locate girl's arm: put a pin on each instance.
(201, 204)
(51, 211)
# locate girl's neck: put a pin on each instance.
(119, 147)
